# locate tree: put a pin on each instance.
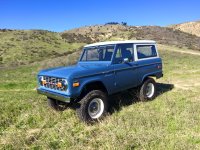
(124, 23)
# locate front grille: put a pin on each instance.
(51, 83)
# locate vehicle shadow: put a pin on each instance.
(126, 98)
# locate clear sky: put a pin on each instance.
(60, 15)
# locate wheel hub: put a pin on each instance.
(150, 90)
(95, 108)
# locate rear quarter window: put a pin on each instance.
(146, 51)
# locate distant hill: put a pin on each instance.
(19, 47)
(96, 33)
(168, 36)
(188, 27)
(163, 35)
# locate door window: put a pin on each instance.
(124, 51)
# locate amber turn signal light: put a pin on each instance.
(76, 84)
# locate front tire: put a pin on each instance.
(148, 90)
(93, 107)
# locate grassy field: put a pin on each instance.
(171, 121)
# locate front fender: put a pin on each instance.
(83, 82)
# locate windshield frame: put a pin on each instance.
(98, 46)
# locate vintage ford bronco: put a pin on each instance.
(103, 69)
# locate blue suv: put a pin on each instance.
(103, 69)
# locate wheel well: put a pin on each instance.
(97, 85)
(147, 77)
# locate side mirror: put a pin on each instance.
(126, 60)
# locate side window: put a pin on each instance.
(146, 51)
(124, 51)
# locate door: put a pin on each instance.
(125, 68)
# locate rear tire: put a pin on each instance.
(148, 90)
(93, 107)
(56, 105)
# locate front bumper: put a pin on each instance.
(54, 95)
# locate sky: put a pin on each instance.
(60, 15)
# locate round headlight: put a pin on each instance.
(41, 78)
(64, 83)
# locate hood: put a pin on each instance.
(81, 69)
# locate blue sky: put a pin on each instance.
(60, 15)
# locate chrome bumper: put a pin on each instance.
(54, 95)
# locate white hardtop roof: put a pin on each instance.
(121, 42)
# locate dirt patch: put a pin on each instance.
(187, 84)
(187, 52)
(33, 131)
(3, 142)
(192, 52)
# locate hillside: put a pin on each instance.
(19, 47)
(188, 27)
(163, 35)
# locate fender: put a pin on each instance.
(86, 82)
(153, 74)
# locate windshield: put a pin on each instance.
(98, 53)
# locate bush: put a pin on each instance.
(112, 23)
(124, 23)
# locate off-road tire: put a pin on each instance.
(142, 90)
(82, 110)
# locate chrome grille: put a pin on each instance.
(51, 83)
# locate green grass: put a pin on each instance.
(171, 121)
